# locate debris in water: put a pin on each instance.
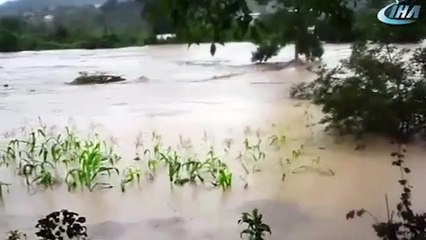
(97, 78)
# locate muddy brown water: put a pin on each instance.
(176, 91)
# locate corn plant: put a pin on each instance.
(297, 153)
(254, 153)
(3, 187)
(223, 179)
(130, 175)
(157, 147)
(314, 167)
(218, 170)
(37, 172)
(228, 144)
(205, 137)
(34, 157)
(193, 170)
(254, 150)
(174, 166)
(277, 140)
(185, 144)
(92, 163)
(12, 152)
(255, 229)
(43, 175)
(309, 122)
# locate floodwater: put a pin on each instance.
(179, 91)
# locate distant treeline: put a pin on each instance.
(128, 23)
(112, 24)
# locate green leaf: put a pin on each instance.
(350, 215)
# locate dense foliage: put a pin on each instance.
(31, 25)
(113, 24)
(62, 225)
(264, 52)
(378, 89)
(220, 17)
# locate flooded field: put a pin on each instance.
(214, 101)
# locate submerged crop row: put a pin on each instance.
(44, 159)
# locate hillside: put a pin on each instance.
(18, 7)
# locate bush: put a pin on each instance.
(326, 32)
(375, 90)
(264, 52)
(406, 224)
(310, 46)
(104, 41)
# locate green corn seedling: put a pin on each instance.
(92, 163)
(12, 153)
(277, 139)
(44, 175)
(130, 175)
(254, 151)
(297, 153)
(194, 170)
(218, 170)
(173, 164)
(223, 179)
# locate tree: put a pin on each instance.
(61, 32)
(13, 24)
(304, 16)
(378, 89)
(193, 20)
(222, 16)
(106, 9)
(8, 41)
